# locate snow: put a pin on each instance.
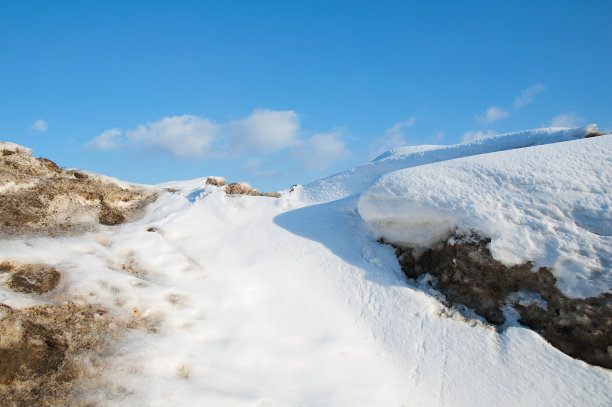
(16, 148)
(355, 180)
(276, 302)
(549, 204)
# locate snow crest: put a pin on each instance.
(355, 180)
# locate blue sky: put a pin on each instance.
(278, 93)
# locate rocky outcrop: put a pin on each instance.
(466, 273)
(240, 188)
(36, 196)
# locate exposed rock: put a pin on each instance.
(216, 181)
(110, 216)
(466, 273)
(594, 134)
(239, 188)
(39, 197)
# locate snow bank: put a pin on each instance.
(548, 204)
(355, 180)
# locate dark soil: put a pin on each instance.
(28, 348)
(43, 348)
(466, 273)
(31, 278)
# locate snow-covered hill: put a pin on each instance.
(234, 300)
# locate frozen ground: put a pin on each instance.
(257, 301)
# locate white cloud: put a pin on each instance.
(107, 140)
(398, 128)
(265, 131)
(179, 136)
(527, 95)
(492, 114)
(252, 138)
(321, 150)
(567, 120)
(473, 135)
(39, 125)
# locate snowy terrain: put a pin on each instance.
(291, 301)
(548, 204)
(355, 180)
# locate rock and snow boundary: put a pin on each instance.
(550, 204)
(210, 298)
(501, 228)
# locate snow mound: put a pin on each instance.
(549, 204)
(355, 180)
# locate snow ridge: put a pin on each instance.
(355, 180)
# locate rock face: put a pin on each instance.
(466, 273)
(39, 197)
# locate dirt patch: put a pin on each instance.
(57, 355)
(466, 273)
(31, 278)
(47, 352)
(39, 197)
(238, 188)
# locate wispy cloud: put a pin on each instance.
(39, 125)
(527, 95)
(265, 131)
(108, 140)
(394, 136)
(473, 135)
(321, 150)
(491, 115)
(567, 120)
(437, 137)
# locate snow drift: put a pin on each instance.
(355, 180)
(551, 205)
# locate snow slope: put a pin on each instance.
(355, 180)
(283, 302)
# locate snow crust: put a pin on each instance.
(355, 180)
(548, 204)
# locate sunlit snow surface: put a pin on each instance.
(355, 180)
(281, 302)
(548, 204)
